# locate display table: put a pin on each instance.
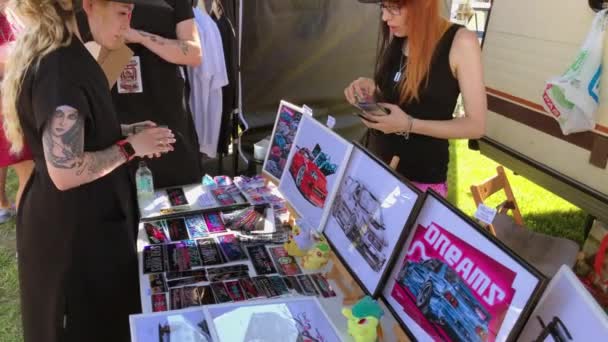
(333, 271)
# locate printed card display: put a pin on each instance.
(186, 281)
(280, 320)
(323, 285)
(156, 231)
(315, 166)
(264, 285)
(286, 264)
(197, 228)
(185, 274)
(249, 288)
(260, 259)
(176, 298)
(453, 281)
(220, 292)
(214, 223)
(369, 217)
(154, 259)
(177, 229)
(178, 257)
(293, 284)
(283, 135)
(157, 283)
(278, 285)
(210, 252)
(177, 197)
(159, 302)
(231, 247)
(308, 287)
(228, 272)
(235, 291)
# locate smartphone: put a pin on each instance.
(364, 117)
(372, 108)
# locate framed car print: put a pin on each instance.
(369, 218)
(284, 132)
(313, 171)
(453, 281)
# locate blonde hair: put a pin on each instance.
(45, 31)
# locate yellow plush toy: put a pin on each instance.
(363, 319)
(317, 257)
(300, 239)
(361, 329)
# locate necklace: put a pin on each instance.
(399, 73)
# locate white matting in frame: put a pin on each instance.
(566, 312)
(283, 134)
(314, 168)
(368, 218)
(178, 325)
(453, 281)
(277, 320)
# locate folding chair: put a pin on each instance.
(545, 252)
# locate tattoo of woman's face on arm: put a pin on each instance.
(63, 138)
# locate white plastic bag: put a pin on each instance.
(573, 98)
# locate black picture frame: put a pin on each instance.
(403, 233)
(530, 302)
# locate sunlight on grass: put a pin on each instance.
(542, 210)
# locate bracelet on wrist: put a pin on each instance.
(126, 149)
(406, 134)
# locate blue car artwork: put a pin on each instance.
(444, 299)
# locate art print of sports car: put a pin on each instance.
(444, 299)
(359, 214)
(309, 171)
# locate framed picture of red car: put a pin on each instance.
(452, 281)
(370, 217)
(284, 132)
(313, 171)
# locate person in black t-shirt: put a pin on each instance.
(162, 40)
(424, 63)
(76, 221)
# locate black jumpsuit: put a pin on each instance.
(162, 97)
(77, 258)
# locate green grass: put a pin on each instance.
(10, 314)
(542, 211)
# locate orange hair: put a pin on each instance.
(426, 27)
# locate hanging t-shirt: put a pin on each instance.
(206, 82)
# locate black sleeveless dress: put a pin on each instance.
(163, 98)
(423, 159)
(77, 258)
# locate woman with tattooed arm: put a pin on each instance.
(75, 226)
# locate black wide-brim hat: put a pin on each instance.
(149, 3)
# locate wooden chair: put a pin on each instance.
(493, 185)
(545, 252)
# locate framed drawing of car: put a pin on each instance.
(369, 218)
(453, 281)
(566, 312)
(284, 132)
(313, 171)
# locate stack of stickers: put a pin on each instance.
(184, 228)
(257, 192)
(180, 273)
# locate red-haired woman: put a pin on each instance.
(424, 63)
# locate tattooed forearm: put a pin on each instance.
(183, 46)
(154, 38)
(63, 138)
(98, 164)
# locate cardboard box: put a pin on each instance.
(112, 62)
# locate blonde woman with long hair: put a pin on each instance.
(75, 227)
(22, 163)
